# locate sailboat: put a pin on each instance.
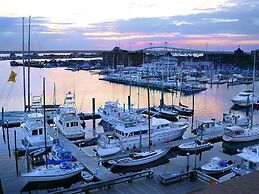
(243, 134)
(142, 157)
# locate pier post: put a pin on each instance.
(188, 162)
(93, 106)
(15, 153)
(123, 107)
(8, 139)
(93, 112)
(192, 111)
(129, 103)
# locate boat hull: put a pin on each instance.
(142, 161)
(241, 139)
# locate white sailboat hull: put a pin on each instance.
(52, 174)
(145, 160)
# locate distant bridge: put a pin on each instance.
(180, 51)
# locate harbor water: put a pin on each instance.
(211, 103)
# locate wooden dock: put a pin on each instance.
(88, 161)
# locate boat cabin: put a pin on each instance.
(234, 130)
(250, 161)
(69, 120)
(204, 124)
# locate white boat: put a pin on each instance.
(241, 134)
(217, 165)
(130, 135)
(249, 161)
(231, 118)
(102, 152)
(54, 172)
(139, 158)
(33, 130)
(36, 103)
(244, 98)
(69, 124)
(87, 176)
(208, 126)
(110, 112)
(167, 112)
(67, 121)
(195, 145)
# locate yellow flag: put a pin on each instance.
(12, 77)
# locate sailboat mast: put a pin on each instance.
(29, 56)
(148, 106)
(23, 68)
(253, 95)
(44, 113)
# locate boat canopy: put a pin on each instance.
(235, 128)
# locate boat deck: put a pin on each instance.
(88, 161)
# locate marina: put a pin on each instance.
(169, 123)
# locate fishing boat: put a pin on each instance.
(87, 176)
(67, 121)
(33, 132)
(54, 172)
(183, 110)
(217, 165)
(110, 112)
(244, 98)
(139, 158)
(196, 145)
(208, 126)
(249, 161)
(241, 134)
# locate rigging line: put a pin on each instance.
(5, 103)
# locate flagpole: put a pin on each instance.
(24, 87)
(29, 53)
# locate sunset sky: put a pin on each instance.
(131, 24)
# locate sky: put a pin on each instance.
(219, 25)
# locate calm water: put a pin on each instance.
(208, 104)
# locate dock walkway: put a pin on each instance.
(89, 162)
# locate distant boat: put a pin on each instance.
(54, 172)
(217, 165)
(139, 158)
(183, 110)
(243, 99)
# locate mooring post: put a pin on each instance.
(93, 106)
(93, 112)
(129, 103)
(2, 115)
(15, 153)
(188, 162)
(8, 140)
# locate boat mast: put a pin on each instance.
(253, 95)
(54, 95)
(44, 113)
(29, 53)
(23, 67)
(148, 108)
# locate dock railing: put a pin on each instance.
(107, 183)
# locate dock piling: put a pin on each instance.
(129, 103)
(2, 115)
(8, 139)
(15, 153)
(93, 111)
